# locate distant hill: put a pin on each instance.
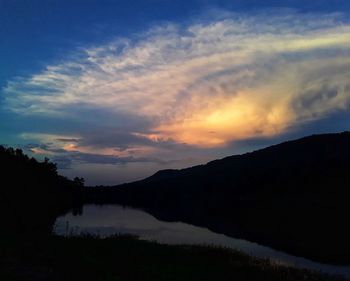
(293, 196)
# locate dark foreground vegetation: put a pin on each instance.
(127, 259)
(293, 196)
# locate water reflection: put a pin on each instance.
(114, 219)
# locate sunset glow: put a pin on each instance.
(195, 88)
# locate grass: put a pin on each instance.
(129, 259)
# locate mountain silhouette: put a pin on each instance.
(293, 196)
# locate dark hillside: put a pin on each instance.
(293, 196)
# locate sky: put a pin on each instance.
(114, 91)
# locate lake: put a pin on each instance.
(115, 219)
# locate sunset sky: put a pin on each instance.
(113, 91)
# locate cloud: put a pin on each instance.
(75, 157)
(67, 140)
(203, 84)
(65, 158)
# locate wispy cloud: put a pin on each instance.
(66, 157)
(204, 84)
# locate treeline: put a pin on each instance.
(32, 193)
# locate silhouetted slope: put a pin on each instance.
(32, 194)
(293, 196)
(309, 160)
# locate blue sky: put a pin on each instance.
(116, 90)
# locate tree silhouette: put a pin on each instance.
(33, 192)
(79, 181)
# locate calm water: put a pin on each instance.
(114, 219)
